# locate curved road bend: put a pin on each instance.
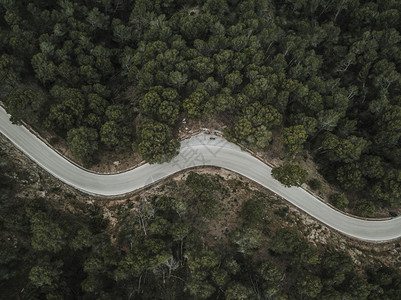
(201, 150)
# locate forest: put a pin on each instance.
(121, 74)
(63, 245)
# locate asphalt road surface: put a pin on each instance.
(200, 150)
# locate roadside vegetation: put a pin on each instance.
(197, 236)
(115, 74)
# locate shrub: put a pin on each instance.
(339, 200)
(315, 184)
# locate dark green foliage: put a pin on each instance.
(25, 104)
(309, 255)
(325, 74)
(335, 267)
(365, 209)
(161, 104)
(156, 142)
(294, 137)
(160, 252)
(46, 275)
(206, 194)
(253, 210)
(35, 251)
(339, 200)
(237, 291)
(246, 240)
(290, 175)
(83, 142)
(69, 112)
(315, 184)
(310, 286)
(46, 235)
(285, 242)
(196, 104)
(116, 131)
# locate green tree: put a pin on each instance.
(372, 166)
(269, 272)
(45, 70)
(97, 19)
(83, 142)
(388, 189)
(309, 255)
(253, 210)
(109, 134)
(115, 113)
(46, 275)
(46, 235)
(328, 119)
(25, 104)
(201, 265)
(68, 73)
(339, 200)
(178, 232)
(121, 33)
(195, 105)
(294, 137)
(350, 177)
(10, 69)
(310, 285)
(156, 142)
(263, 115)
(237, 291)
(233, 80)
(261, 138)
(223, 101)
(309, 123)
(365, 208)
(200, 289)
(246, 239)
(178, 79)
(335, 267)
(312, 102)
(349, 149)
(253, 128)
(315, 184)
(97, 104)
(67, 114)
(359, 288)
(161, 104)
(285, 241)
(89, 74)
(159, 226)
(290, 175)
(83, 239)
(146, 254)
(344, 150)
(202, 66)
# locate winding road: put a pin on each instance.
(200, 150)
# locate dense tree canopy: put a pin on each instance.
(324, 74)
